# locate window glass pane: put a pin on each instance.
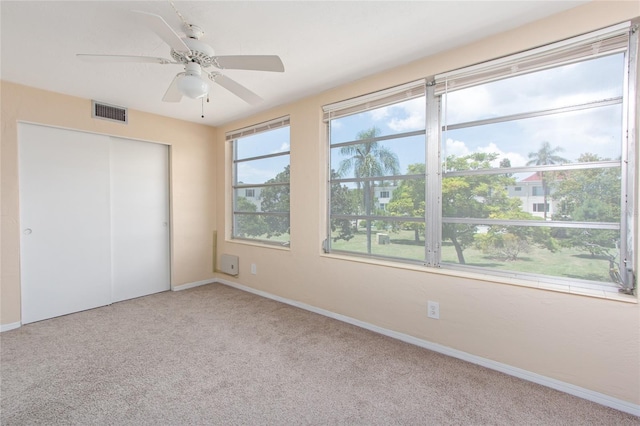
(262, 227)
(588, 195)
(402, 197)
(583, 254)
(261, 212)
(381, 158)
(273, 198)
(552, 139)
(390, 120)
(271, 142)
(263, 171)
(568, 85)
(248, 199)
(479, 196)
(406, 243)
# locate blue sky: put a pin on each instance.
(595, 130)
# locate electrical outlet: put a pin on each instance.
(433, 309)
(254, 269)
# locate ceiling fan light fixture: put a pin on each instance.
(193, 86)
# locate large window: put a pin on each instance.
(520, 167)
(261, 182)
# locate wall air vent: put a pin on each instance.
(109, 112)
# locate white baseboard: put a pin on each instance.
(7, 327)
(578, 391)
(191, 285)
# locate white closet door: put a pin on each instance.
(64, 218)
(139, 218)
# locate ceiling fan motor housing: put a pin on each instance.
(201, 53)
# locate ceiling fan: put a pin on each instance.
(196, 56)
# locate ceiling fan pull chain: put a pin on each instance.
(202, 103)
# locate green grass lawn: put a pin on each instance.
(567, 263)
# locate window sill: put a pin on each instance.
(258, 244)
(520, 282)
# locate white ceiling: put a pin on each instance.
(322, 44)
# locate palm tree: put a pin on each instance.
(544, 157)
(368, 159)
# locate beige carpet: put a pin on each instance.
(217, 355)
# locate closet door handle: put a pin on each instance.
(27, 231)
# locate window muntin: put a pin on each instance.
(560, 124)
(261, 183)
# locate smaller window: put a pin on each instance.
(261, 174)
(539, 207)
(384, 194)
(518, 188)
(537, 191)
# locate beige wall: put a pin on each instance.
(586, 341)
(193, 180)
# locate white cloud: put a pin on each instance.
(515, 159)
(402, 117)
(336, 124)
(470, 104)
(379, 113)
(413, 116)
(457, 148)
(249, 174)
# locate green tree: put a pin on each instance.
(344, 202)
(546, 156)
(590, 195)
(248, 225)
(508, 242)
(276, 198)
(368, 159)
(473, 196)
(408, 199)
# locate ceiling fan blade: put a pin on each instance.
(238, 89)
(159, 26)
(173, 94)
(250, 62)
(122, 58)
